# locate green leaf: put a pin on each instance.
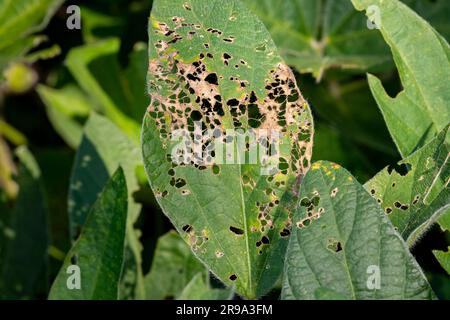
(24, 240)
(99, 250)
(18, 19)
(199, 288)
(173, 267)
(443, 258)
(444, 220)
(65, 108)
(421, 110)
(341, 240)
(117, 93)
(233, 215)
(103, 148)
(314, 36)
(414, 192)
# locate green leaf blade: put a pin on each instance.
(99, 250)
(414, 193)
(220, 209)
(421, 110)
(341, 238)
(25, 237)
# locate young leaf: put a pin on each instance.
(414, 192)
(343, 242)
(421, 110)
(116, 91)
(18, 19)
(92, 268)
(64, 108)
(173, 267)
(25, 240)
(314, 36)
(199, 288)
(214, 62)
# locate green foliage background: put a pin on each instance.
(55, 158)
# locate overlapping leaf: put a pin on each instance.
(103, 148)
(415, 191)
(214, 62)
(99, 251)
(344, 247)
(422, 109)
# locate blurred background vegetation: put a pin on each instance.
(53, 78)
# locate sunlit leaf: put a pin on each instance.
(215, 62)
(422, 109)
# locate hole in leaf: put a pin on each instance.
(236, 230)
(401, 169)
(187, 228)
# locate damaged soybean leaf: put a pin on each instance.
(213, 68)
(92, 268)
(343, 242)
(415, 192)
(421, 110)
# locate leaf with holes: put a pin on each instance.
(173, 267)
(343, 245)
(217, 83)
(415, 192)
(103, 148)
(421, 110)
(92, 268)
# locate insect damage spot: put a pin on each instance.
(187, 228)
(236, 231)
(233, 277)
(187, 6)
(334, 192)
(261, 47)
(334, 245)
(401, 169)
(219, 254)
(212, 79)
